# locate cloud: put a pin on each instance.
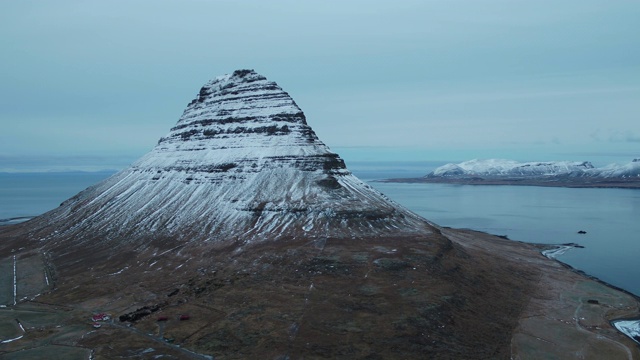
(624, 137)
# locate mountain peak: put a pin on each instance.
(240, 164)
(226, 103)
(239, 76)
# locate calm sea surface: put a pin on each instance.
(30, 194)
(611, 217)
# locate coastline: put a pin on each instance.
(567, 303)
(551, 252)
(573, 183)
(566, 247)
(629, 326)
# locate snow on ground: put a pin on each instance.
(631, 328)
(557, 251)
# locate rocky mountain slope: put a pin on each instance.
(241, 235)
(241, 164)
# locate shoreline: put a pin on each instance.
(553, 249)
(567, 303)
(578, 271)
(629, 326)
(604, 184)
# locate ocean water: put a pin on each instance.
(610, 218)
(525, 213)
(31, 194)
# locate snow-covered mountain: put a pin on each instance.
(499, 168)
(241, 164)
(629, 170)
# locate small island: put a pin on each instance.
(557, 173)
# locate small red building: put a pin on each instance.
(100, 317)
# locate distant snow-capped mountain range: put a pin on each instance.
(500, 168)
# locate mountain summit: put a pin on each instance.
(241, 164)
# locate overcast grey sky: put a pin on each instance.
(95, 84)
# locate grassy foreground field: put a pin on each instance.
(6, 281)
(330, 301)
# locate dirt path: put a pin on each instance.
(576, 318)
(189, 354)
